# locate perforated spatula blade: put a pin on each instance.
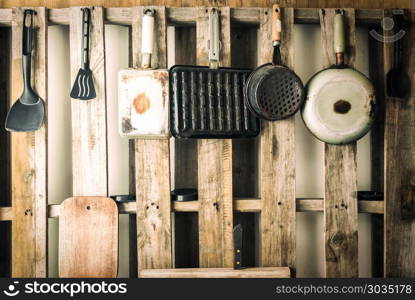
(83, 87)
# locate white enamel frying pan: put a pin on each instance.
(339, 105)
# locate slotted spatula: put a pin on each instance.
(83, 87)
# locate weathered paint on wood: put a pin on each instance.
(88, 238)
(89, 120)
(277, 162)
(214, 166)
(152, 166)
(340, 170)
(399, 169)
(29, 160)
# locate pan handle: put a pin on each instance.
(339, 37)
(276, 24)
(147, 38)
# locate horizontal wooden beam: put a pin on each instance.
(268, 272)
(187, 15)
(251, 205)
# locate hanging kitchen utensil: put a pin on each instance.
(398, 83)
(208, 102)
(273, 91)
(83, 87)
(143, 94)
(88, 238)
(28, 112)
(339, 106)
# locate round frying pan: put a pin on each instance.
(273, 91)
(339, 106)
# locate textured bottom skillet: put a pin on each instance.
(209, 103)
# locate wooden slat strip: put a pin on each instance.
(187, 16)
(277, 152)
(246, 205)
(89, 120)
(273, 272)
(29, 162)
(399, 168)
(214, 166)
(340, 172)
(152, 163)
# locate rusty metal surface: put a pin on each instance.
(143, 103)
(209, 103)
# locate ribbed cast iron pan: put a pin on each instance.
(208, 102)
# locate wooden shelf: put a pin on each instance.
(267, 272)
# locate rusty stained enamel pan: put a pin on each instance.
(143, 103)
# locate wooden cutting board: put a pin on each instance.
(88, 237)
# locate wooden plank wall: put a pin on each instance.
(29, 160)
(277, 152)
(399, 168)
(340, 170)
(152, 166)
(231, 3)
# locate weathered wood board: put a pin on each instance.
(29, 159)
(268, 272)
(152, 166)
(214, 165)
(277, 161)
(399, 168)
(89, 120)
(340, 171)
(88, 238)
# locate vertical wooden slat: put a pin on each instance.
(340, 170)
(29, 160)
(399, 168)
(186, 237)
(152, 163)
(214, 166)
(277, 162)
(89, 120)
(5, 199)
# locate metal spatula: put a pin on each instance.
(28, 112)
(83, 87)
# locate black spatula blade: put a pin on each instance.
(25, 118)
(83, 87)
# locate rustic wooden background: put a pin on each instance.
(231, 3)
(392, 126)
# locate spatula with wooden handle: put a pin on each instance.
(83, 87)
(88, 238)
